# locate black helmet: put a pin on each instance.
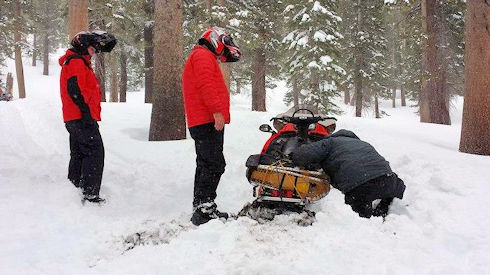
(100, 40)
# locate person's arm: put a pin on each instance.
(312, 153)
(74, 89)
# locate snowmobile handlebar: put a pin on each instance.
(301, 119)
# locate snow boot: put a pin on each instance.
(382, 209)
(205, 212)
(93, 199)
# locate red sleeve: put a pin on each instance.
(77, 68)
(204, 69)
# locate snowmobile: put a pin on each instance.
(278, 186)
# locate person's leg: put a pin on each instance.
(210, 162)
(93, 161)
(386, 188)
(210, 166)
(75, 165)
(359, 202)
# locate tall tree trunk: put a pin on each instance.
(258, 82)
(346, 96)
(100, 74)
(475, 131)
(46, 53)
(148, 37)
(123, 84)
(358, 86)
(402, 96)
(99, 67)
(358, 67)
(393, 97)
(353, 99)
(238, 86)
(10, 84)
(113, 94)
(168, 116)
(19, 68)
(376, 105)
(77, 16)
(433, 107)
(34, 50)
(295, 92)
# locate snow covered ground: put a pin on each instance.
(439, 228)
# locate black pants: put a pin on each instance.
(210, 161)
(384, 187)
(87, 156)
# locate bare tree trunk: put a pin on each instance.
(376, 105)
(77, 16)
(148, 37)
(19, 68)
(34, 50)
(238, 86)
(357, 70)
(46, 54)
(113, 95)
(168, 116)
(393, 97)
(402, 95)
(475, 131)
(10, 84)
(353, 99)
(295, 93)
(100, 74)
(123, 84)
(346, 96)
(433, 107)
(258, 82)
(99, 59)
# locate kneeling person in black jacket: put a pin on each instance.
(356, 169)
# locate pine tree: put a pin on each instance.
(363, 48)
(312, 47)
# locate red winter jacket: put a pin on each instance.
(88, 87)
(204, 88)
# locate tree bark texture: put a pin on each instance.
(376, 105)
(100, 74)
(10, 84)
(346, 96)
(113, 93)
(46, 53)
(77, 16)
(433, 106)
(258, 82)
(19, 68)
(168, 115)
(123, 84)
(475, 131)
(148, 37)
(295, 92)
(34, 50)
(403, 96)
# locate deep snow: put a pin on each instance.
(440, 226)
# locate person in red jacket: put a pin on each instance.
(207, 107)
(80, 97)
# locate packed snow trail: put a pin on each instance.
(439, 227)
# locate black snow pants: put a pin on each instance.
(385, 187)
(87, 156)
(210, 162)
